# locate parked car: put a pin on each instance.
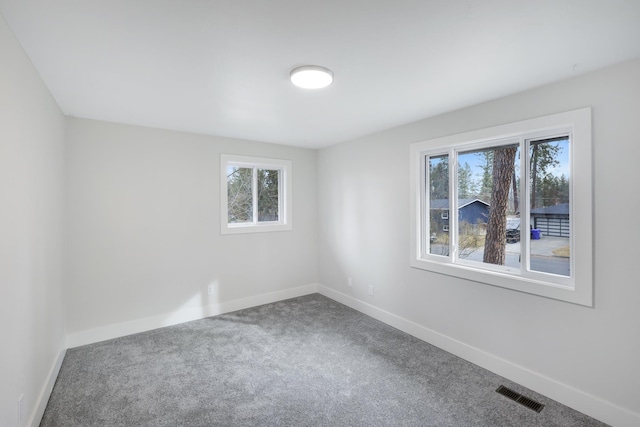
(513, 230)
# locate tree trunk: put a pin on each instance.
(534, 172)
(516, 202)
(495, 242)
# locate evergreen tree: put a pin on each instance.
(268, 188)
(486, 184)
(467, 187)
(439, 177)
(543, 156)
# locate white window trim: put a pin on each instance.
(578, 288)
(285, 222)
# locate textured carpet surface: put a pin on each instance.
(307, 361)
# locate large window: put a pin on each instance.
(508, 206)
(255, 194)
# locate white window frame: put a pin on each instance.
(285, 219)
(578, 287)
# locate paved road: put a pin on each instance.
(542, 256)
(543, 246)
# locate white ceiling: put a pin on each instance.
(221, 67)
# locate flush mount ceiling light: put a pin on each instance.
(311, 77)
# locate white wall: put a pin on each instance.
(144, 230)
(584, 357)
(31, 208)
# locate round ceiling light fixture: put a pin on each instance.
(311, 77)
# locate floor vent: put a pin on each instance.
(523, 400)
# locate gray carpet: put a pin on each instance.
(307, 361)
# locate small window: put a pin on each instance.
(255, 194)
(521, 198)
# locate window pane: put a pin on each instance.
(268, 199)
(488, 211)
(550, 209)
(438, 187)
(239, 194)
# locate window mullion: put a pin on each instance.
(453, 205)
(254, 194)
(281, 196)
(525, 206)
(424, 200)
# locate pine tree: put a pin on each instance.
(502, 172)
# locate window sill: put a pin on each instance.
(255, 228)
(508, 280)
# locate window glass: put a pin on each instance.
(268, 194)
(550, 205)
(239, 194)
(487, 185)
(438, 185)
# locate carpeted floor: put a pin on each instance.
(307, 361)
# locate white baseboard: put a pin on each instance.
(45, 393)
(90, 336)
(586, 403)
